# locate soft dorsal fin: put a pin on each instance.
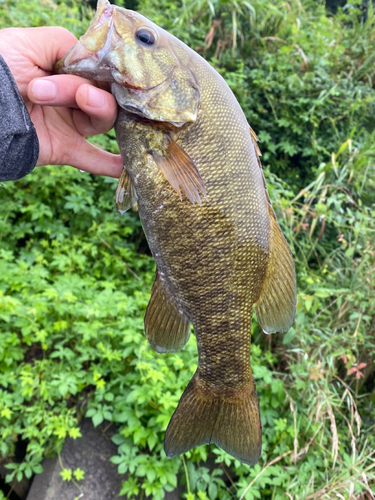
(126, 196)
(166, 328)
(276, 306)
(180, 171)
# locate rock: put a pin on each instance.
(91, 453)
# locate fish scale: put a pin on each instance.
(193, 164)
(225, 251)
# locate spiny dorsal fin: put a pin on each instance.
(255, 138)
(166, 328)
(181, 172)
(126, 196)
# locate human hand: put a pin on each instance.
(63, 108)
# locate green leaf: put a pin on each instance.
(97, 419)
(38, 469)
(79, 474)
(75, 433)
(212, 491)
(66, 474)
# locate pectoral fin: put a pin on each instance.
(126, 196)
(276, 306)
(180, 171)
(166, 328)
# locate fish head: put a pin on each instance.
(147, 68)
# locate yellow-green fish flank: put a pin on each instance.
(192, 163)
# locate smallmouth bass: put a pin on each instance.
(192, 162)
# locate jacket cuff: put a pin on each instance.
(19, 145)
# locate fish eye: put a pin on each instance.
(145, 36)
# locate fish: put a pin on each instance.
(192, 163)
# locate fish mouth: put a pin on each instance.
(86, 55)
(94, 55)
(135, 87)
(91, 64)
(81, 62)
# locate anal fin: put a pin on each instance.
(276, 306)
(126, 196)
(166, 328)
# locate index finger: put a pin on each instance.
(49, 44)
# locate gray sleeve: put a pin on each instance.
(19, 146)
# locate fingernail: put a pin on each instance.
(95, 97)
(44, 90)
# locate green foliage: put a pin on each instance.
(73, 15)
(75, 276)
(304, 79)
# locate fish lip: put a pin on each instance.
(91, 72)
(76, 55)
(142, 89)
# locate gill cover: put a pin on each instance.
(146, 66)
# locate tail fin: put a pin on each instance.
(233, 425)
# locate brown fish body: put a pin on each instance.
(215, 259)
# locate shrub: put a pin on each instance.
(75, 276)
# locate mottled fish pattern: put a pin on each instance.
(192, 163)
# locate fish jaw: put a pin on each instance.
(108, 50)
(153, 81)
(88, 57)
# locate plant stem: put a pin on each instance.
(187, 475)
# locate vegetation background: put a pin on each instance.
(75, 277)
